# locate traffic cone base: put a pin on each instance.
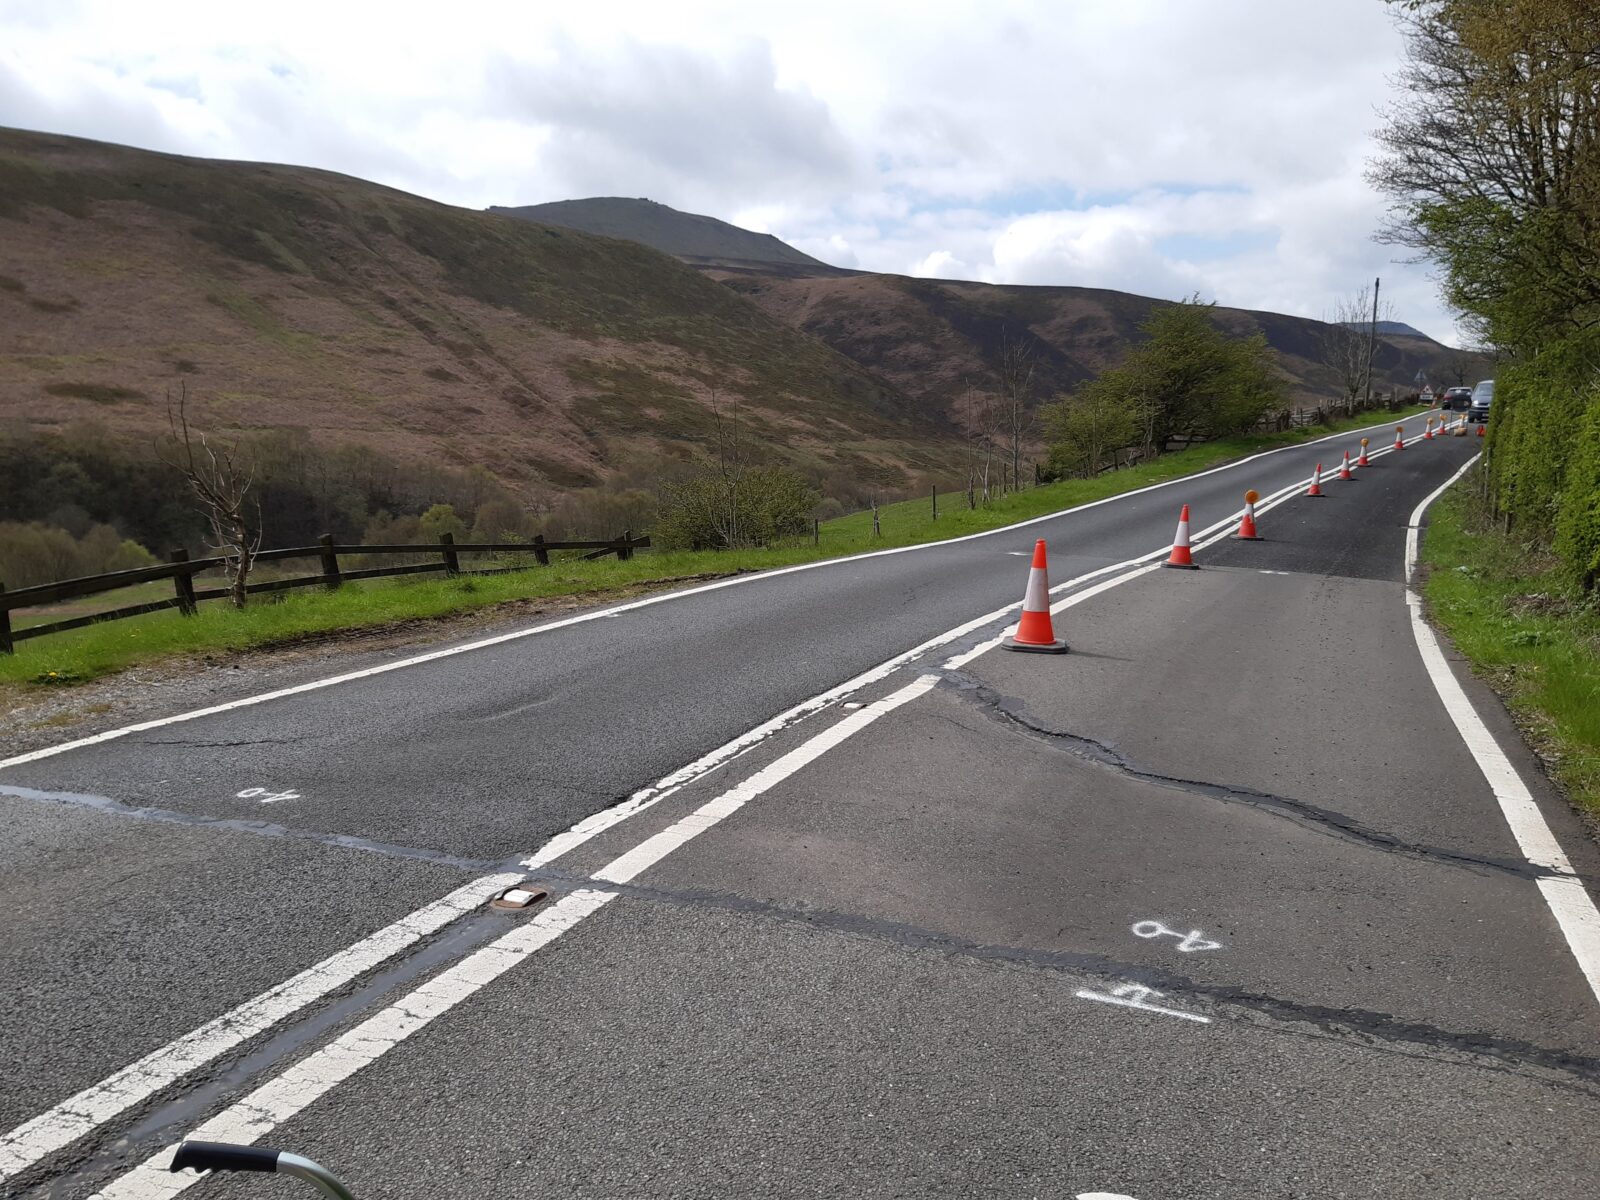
(1035, 634)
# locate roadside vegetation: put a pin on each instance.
(1492, 164)
(1510, 607)
(84, 654)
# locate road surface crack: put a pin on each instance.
(1014, 715)
(1366, 1026)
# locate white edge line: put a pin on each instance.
(499, 639)
(1570, 904)
(248, 1120)
(74, 1117)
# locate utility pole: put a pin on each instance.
(1372, 341)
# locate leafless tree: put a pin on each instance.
(220, 479)
(983, 418)
(730, 469)
(1345, 334)
(1017, 367)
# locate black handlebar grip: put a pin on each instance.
(221, 1156)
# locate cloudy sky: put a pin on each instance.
(1157, 146)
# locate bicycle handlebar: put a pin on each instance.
(220, 1156)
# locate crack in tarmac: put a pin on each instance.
(1012, 714)
(1353, 1024)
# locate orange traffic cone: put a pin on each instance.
(1247, 524)
(1034, 631)
(1399, 437)
(1180, 556)
(1344, 467)
(1428, 434)
(1483, 429)
(1362, 461)
(1316, 482)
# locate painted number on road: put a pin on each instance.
(1188, 943)
(266, 795)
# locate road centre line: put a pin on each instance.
(76, 1116)
(93, 1106)
(268, 1106)
(616, 610)
(274, 1102)
(1564, 894)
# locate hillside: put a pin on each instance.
(687, 235)
(293, 298)
(931, 338)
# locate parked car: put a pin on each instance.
(1482, 397)
(1457, 399)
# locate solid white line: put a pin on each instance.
(263, 1110)
(274, 1102)
(1572, 907)
(78, 1115)
(74, 1117)
(598, 614)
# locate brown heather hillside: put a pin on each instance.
(929, 338)
(293, 298)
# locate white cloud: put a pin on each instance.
(1147, 145)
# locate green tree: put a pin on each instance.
(441, 519)
(1097, 420)
(713, 511)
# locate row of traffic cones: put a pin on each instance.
(1036, 634)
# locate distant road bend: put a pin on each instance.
(1224, 903)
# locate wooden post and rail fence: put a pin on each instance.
(182, 569)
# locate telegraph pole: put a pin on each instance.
(1372, 339)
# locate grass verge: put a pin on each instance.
(83, 654)
(1507, 608)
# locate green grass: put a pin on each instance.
(1505, 605)
(83, 654)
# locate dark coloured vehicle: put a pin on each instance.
(1457, 399)
(1482, 397)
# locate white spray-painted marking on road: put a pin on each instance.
(74, 1117)
(265, 796)
(1135, 995)
(268, 1106)
(1570, 904)
(1188, 943)
(616, 610)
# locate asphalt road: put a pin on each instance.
(902, 963)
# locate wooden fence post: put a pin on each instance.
(539, 552)
(183, 584)
(625, 551)
(5, 625)
(447, 547)
(330, 563)
(935, 502)
(816, 533)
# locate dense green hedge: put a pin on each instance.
(1543, 453)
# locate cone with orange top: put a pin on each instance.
(1034, 633)
(1399, 437)
(1483, 428)
(1180, 556)
(1316, 482)
(1247, 524)
(1344, 467)
(1427, 435)
(1362, 461)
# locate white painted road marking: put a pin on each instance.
(1135, 995)
(1188, 943)
(274, 1102)
(80, 1114)
(74, 1117)
(581, 618)
(1572, 907)
(265, 796)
